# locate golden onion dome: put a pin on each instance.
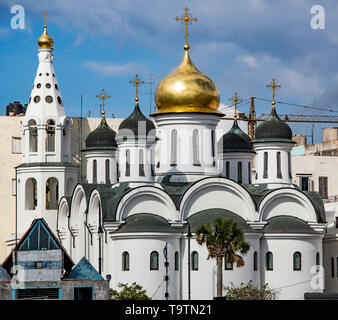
(45, 41)
(187, 89)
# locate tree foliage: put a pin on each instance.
(129, 292)
(223, 237)
(250, 291)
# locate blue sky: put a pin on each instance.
(241, 45)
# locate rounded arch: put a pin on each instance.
(52, 193)
(146, 199)
(50, 135)
(70, 186)
(33, 135)
(287, 202)
(78, 205)
(62, 215)
(94, 217)
(221, 193)
(31, 200)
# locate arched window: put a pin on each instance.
(125, 261)
(177, 262)
(213, 147)
(269, 261)
(317, 261)
(227, 169)
(154, 260)
(152, 165)
(289, 162)
(194, 261)
(265, 175)
(107, 171)
(195, 148)
(239, 172)
(31, 194)
(33, 136)
(249, 172)
(227, 265)
(255, 261)
(141, 163)
(50, 136)
(127, 163)
(297, 261)
(94, 171)
(52, 194)
(279, 172)
(173, 159)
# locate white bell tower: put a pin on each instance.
(46, 173)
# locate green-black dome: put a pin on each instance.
(102, 137)
(273, 129)
(136, 125)
(235, 140)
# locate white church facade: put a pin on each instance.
(146, 186)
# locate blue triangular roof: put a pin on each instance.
(4, 274)
(84, 271)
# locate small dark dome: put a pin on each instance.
(102, 137)
(273, 128)
(136, 125)
(235, 140)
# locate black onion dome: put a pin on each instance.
(136, 125)
(273, 129)
(102, 137)
(235, 140)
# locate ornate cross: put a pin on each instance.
(102, 96)
(45, 14)
(187, 20)
(273, 85)
(235, 99)
(137, 82)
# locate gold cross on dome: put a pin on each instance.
(45, 14)
(102, 96)
(273, 85)
(137, 82)
(186, 19)
(236, 99)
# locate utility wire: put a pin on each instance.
(158, 289)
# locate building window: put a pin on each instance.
(289, 161)
(94, 171)
(195, 148)
(16, 145)
(127, 163)
(227, 169)
(173, 160)
(154, 260)
(255, 261)
(194, 261)
(213, 146)
(239, 171)
(249, 172)
(33, 136)
(269, 261)
(141, 163)
(265, 175)
(297, 261)
(279, 172)
(107, 171)
(227, 265)
(52, 194)
(36, 293)
(83, 293)
(50, 136)
(332, 267)
(152, 166)
(317, 261)
(125, 261)
(304, 183)
(323, 187)
(336, 222)
(177, 261)
(13, 187)
(31, 200)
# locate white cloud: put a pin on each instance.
(109, 69)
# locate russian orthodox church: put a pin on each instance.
(151, 182)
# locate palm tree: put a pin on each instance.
(224, 237)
